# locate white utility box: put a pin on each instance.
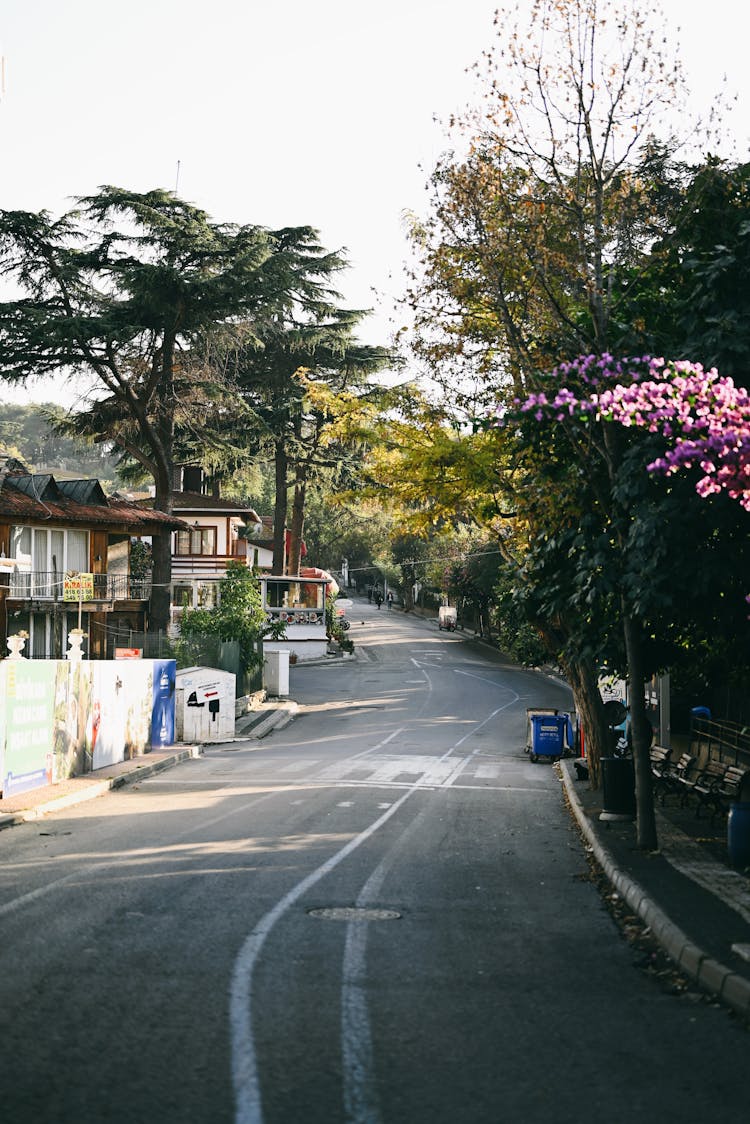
(276, 673)
(204, 704)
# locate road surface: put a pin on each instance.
(381, 914)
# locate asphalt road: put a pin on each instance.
(381, 915)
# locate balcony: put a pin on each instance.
(37, 585)
(207, 566)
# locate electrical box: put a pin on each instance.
(204, 705)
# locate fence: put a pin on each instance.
(720, 741)
(48, 586)
(193, 651)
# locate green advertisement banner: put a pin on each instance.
(29, 716)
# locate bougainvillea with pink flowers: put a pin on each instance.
(704, 418)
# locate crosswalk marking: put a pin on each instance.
(428, 770)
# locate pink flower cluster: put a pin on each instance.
(705, 417)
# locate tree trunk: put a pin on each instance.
(641, 732)
(582, 676)
(279, 510)
(163, 454)
(408, 587)
(297, 527)
(633, 637)
(161, 558)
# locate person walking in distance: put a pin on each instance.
(389, 598)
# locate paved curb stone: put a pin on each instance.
(708, 974)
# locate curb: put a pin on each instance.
(279, 716)
(710, 975)
(97, 788)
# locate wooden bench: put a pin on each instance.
(708, 783)
(660, 765)
(721, 795)
(689, 777)
(674, 775)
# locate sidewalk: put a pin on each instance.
(695, 905)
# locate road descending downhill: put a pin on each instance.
(380, 914)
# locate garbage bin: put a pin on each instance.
(548, 735)
(618, 785)
(738, 834)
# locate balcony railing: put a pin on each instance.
(37, 585)
(204, 565)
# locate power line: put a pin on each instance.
(426, 561)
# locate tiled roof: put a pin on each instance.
(42, 500)
(196, 502)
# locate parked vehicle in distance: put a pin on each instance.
(447, 618)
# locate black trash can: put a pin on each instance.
(618, 785)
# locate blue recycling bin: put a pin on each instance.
(548, 735)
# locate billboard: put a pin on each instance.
(61, 718)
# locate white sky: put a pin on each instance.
(279, 112)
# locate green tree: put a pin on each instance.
(238, 616)
(30, 430)
(556, 191)
(649, 569)
(125, 288)
(473, 581)
(306, 340)
(691, 294)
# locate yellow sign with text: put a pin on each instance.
(78, 587)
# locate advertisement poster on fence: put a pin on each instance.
(29, 696)
(162, 715)
(121, 718)
(72, 709)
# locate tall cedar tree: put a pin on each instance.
(304, 337)
(120, 289)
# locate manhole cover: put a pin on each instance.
(354, 913)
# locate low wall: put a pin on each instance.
(61, 718)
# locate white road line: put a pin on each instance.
(336, 770)
(431, 770)
(96, 868)
(465, 760)
(487, 772)
(27, 899)
(359, 1091)
(248, 1103)
(360, 1096)
(481, 678)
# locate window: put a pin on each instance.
(48, 634)
(182, 596)
(201, 540)
(208, 595)
(43, 556)
(201, 595)
(295, 595)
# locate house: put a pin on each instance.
(215, 531)
(65, 562)
(264, 544)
